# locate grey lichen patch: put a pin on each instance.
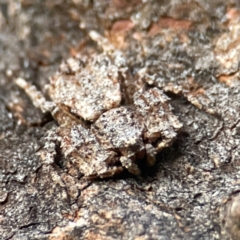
(96, 135)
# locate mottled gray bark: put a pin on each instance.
(190, 50)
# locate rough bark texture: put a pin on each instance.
(189, 49)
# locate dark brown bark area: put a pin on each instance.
(190, 49)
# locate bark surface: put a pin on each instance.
(190, 50)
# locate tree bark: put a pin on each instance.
(188, 49)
